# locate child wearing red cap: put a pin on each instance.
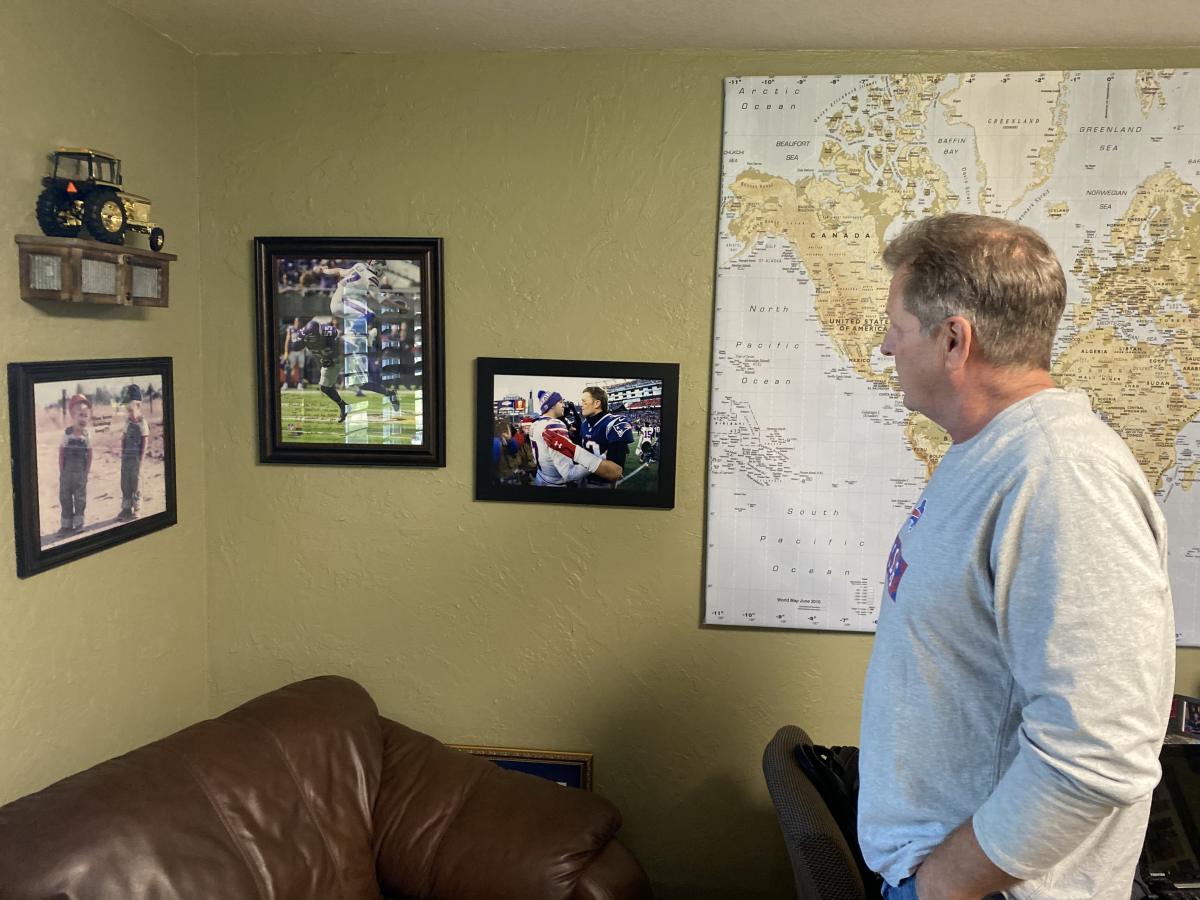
(74, 464)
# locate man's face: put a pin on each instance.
(589, 405)
(556, 411)
(918, 359)
(404, 331)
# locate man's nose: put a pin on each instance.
(886, 347)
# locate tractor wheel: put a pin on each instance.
(104, 216)
(157, 236)
(52, 205)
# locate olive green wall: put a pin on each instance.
(577, 194)
(107, 653)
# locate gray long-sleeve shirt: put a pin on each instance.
(1024, 660)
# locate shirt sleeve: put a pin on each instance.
(617, 453)
(1084, 616)
(620, 431)
(568, 469)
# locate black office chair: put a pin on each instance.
(822, 862)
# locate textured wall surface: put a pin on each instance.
(106, 653)
(577, 194)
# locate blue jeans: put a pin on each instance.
(908, 891)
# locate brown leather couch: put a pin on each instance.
(307, 793)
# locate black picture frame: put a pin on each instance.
(488, 485)
(565, 767)
(23, 422)
(427, 254)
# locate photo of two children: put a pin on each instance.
(100, 460)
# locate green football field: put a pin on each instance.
(635, 477)
(309, 417)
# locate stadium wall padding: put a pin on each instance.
(109, 652)
(577, 194)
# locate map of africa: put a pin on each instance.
(814, 462)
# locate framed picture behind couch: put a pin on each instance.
(93, 456)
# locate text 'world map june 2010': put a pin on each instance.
(814, 461)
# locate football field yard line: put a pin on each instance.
(631, 474)
(317, 415)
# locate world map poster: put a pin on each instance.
(814, 462)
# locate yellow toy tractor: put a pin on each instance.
(85, 190)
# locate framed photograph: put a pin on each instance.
(1184, 720)
(350, 351)
(576, 431)
(560, 766)
(93, 446)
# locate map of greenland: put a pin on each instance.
(818, 174)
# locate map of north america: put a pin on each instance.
(814, 460)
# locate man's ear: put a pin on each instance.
(956, 341)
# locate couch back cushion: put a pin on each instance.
(271, 801)
(450, 826)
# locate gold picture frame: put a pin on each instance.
(549, 764)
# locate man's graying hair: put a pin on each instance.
(1001, 277)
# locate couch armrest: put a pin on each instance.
(451, 826)
(614, 875)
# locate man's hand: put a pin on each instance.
(605, 468)
(557, 440)
(958, 869)
(609, 470)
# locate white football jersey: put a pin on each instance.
(554, 468)
(357, 293)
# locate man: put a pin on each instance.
(1023, 666)
(292, 358)
(512, 454)
(357, 295)
(647, 449)
(324, 341)
(561, 463)
(603, 433)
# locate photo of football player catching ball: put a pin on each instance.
(350, 360)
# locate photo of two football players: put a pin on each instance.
(579, 446)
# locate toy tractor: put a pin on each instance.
(85, 190)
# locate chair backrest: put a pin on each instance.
(821, 859)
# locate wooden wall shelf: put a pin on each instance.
(80, 271)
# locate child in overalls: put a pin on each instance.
(74, 464)
(133, 449)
